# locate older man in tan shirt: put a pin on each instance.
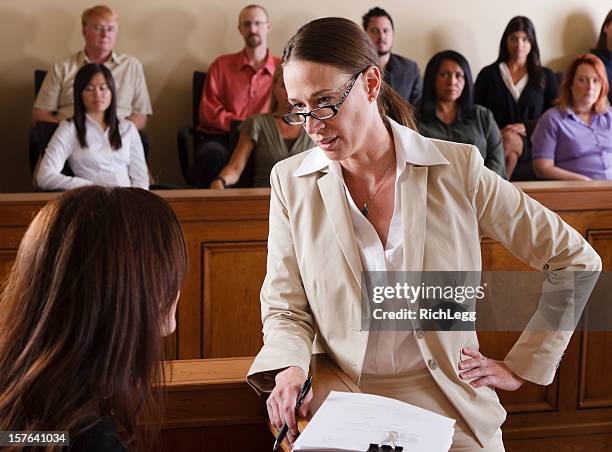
(55, 100)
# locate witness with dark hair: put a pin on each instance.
(447, 110)
(91, 294)
(399, 72)
(603, 49)
(517, 89)
(573, 141)
(100, 148)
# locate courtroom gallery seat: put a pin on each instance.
(188, 138)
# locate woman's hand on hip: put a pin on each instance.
(488, 372)
(282, 400)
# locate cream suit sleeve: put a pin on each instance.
(288, 325)
(541, 239)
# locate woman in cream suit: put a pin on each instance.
(375, 195)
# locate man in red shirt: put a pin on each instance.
(237, 86)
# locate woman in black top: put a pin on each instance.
(102, 437)
(517, 89)
(603, 49)
(447, 110)
(91, 295)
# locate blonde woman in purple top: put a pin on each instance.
(573, 141)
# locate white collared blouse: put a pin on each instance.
(388, 352)
(516, 89)
(98, 164)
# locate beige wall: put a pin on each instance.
(173, 38)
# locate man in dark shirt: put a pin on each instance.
(401, 73)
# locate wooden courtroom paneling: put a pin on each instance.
(232, 321)
(7, 257)
(585, 211)
(230, 438)
(571, 443)
(221, 227)
(581, 393)
(216, 221)
(601, 240)
(496, 344)
(595, 390)
(210, 407)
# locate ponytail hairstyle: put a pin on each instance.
(341, 43)
(82, 79)
(534, 65)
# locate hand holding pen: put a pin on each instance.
(305, 390)
(282, 403)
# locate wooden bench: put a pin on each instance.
(209, 405)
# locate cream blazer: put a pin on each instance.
(449, 201)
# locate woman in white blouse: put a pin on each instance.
(100, 148)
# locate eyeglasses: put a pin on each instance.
(99, 29)
(255, 23)
(321, 113)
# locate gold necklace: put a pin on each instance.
(364, 209)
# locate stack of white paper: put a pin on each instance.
(350, 422)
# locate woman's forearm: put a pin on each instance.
(232, 171)
(551, 171)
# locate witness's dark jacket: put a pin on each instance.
(404, 77)
(490, 91)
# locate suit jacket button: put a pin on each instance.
(420, 334)
(433, 364)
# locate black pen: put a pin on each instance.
(298, 404)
